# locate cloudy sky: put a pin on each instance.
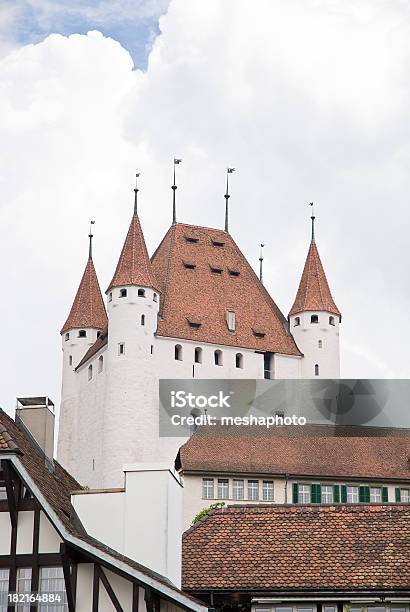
(308, 99)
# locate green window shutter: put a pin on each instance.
(364, 495)
(385, 495)
(343, 490)
(316, 494)
(397, 494)
(336, 494)
(295, 493)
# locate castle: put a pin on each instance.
(196, 309)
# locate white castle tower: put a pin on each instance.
(314, 319)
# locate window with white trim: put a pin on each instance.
(238, 489)
(230, 320)
(327, 494)
(223, 488)
(4, 588)
(352, 495)
(253, 490)
(405, 495)
(23, 585)
(52, 581)
(304, 494)
(267, 490)
(207, 488)
(375, 495)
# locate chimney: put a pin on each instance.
(35, 415)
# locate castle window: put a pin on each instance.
(331, 320)
(218, 358)
(155, 297)
(178, 352)
(123, 293)
(110, 296)
(198, 355)
(141, 292)
(239, 360)
(142, 319)
(316, 369)
(152, 349)
(314, 319)
(297, 322)
(90, 372)
(191, 239)
(70, 360)
(230, 320)
(67, 336)
(82, 333)
(100, 363)
(319, 344)
(121, 348)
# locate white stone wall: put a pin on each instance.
(308, 336)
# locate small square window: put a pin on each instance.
(123, 293)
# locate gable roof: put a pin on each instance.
(311, 450)
(88, 309)
(316, 548)
(202, 274)
(314, 292)
(134, 266)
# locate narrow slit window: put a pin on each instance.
(155, 297)
(67, 336)
(121, 348)
(239, 360)
(319, 343)
(198, 354)
(297, 322)
(234, 272)
(316, 369)
(70, 360)
(189, 266)
(90, 372)
(216, 270)
(100, 363)
(178, 352)
(217, 243)
(331, 320)
(218, 358)
(191, 239)
(142, 319)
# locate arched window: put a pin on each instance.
(123, 293)
(67, 336)
(178, 352)
(90, 372)
(142, 319)
(82, 333)
(218, 358)
(316, 370)
(331, 320)
(239, 360)
(100, 363)
(155, 297)
(314, 319)
(319, 344)
(297, 322)
(198, 355)
(141, 292)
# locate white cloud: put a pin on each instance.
(308, 99)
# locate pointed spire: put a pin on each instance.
(136, 190)
(314, 293)
(174, 188)
(88, 308)
(227, 196)
(312, 217)
(90, 237)
(261, 264)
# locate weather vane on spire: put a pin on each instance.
(136, 190)
(90, 236)
(174, 188)
(261, 263)
(312, 216)
(227, 196)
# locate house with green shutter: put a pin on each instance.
(313, 465)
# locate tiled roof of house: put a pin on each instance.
(311, 450)
(88, 308)
(134, 266)
(314, 292)
(281, 548)
(202, 275)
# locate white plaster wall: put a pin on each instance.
(286, 366)
(84, 592)
(5, 533)
(307, 336)
(96, 510)
(122, 589)
(25, 527)
(49, 540)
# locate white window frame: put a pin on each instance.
(208, 488)
(405, 493)
(238, 489)
(352, 494)
(304, 494)
(268, 492)
(223, 488)
(375, 495)
(253, 491)
(327, 494)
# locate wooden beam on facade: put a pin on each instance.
(96, 588)
(11, 498)
(110, 591)
(68, 578)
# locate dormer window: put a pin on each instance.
(216, 270)
(189, 266)
(258, 333)
(234, 273)
(82, 333)
(217, 243)
(141, 292)
(194, 323)
(123, 293)
(331, 320)
(67, 336)
(296, 322)
(314, 318)
(191, 239)
(230, 320)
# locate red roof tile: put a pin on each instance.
(134, 267)
(202, 274)
(311, 450)
(88, 308)
(299, 548)
(314, 292)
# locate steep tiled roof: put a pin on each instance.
(202, 274)
(88, 308)
(314, 292)
(134, 267)
(311, 450)
(293, 548)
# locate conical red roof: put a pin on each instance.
(134, 266)
(314, 292)
(88, 308)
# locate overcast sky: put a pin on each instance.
(308, 99)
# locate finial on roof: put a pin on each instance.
(174, 188)
(261, 263)
(313, 221)
(227, 196)
(90, 237)
(136, 190)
